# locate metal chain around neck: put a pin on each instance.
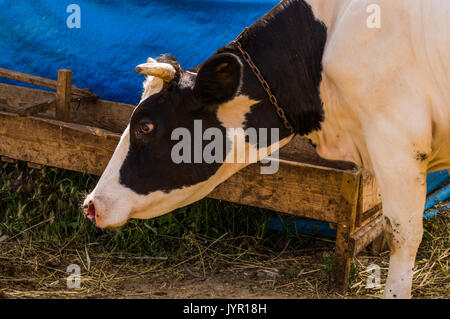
(263, 82)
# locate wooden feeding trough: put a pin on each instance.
(74, 130)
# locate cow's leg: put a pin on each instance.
(403, 227)
(401, 177)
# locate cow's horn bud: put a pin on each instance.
(164, 71)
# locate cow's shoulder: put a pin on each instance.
(379, 77)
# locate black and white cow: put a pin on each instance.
(375, 96)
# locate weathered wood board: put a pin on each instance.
(301, 190)
(112, 116)
(54, 143)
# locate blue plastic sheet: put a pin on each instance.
(115, 36)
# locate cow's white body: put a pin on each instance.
(386, 94)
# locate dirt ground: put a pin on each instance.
(38, 276)
(28, 271)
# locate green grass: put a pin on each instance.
(40, 211)
(45, 206)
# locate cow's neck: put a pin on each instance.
(339, 137)
(287, 45)
(328, 11)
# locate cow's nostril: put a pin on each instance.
(89, 211)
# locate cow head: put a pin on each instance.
(142, 179)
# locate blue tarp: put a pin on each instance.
(438, 190)
(115, 36)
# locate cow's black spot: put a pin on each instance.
(312, 143)
(388, 221)
(287, 45)
(389, 234)
(219, 79)
(421, 156)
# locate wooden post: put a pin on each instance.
(63, 95)
(345, 227)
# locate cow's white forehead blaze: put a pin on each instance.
(152, 85)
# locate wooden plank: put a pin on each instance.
(49, 142)
(13, 98)
(363, 237)
(111, 116)
(379, 244)
(63, 95)
(37, 107)
(370, 196)
(303, 191)
(346, 222)
(371, 214)
(37, 80)
(8, 160)
(369, 202)
(301, 150)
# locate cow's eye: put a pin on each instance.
(145, 127)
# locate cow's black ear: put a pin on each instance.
(219, 79)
